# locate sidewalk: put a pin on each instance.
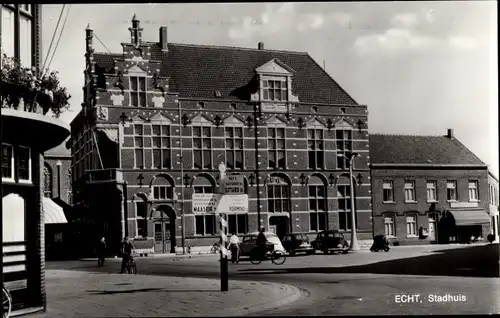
(83, 294)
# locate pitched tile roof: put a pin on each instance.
(196, 71)
(402, 149)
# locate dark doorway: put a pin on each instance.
(164, 229)
(279, 224)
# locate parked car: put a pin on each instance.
(330, 241)
(297, 243)
(249, 242)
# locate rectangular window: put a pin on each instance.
(205, 224)
(25, 28)
(234, 147)
(451, 191)
(389, 227)
(138, 91)
(163, 192)
(141, 218)
(411, 226)
(161, 144)
(24, 164)
(277, 198)
(7, 162)
(388, 191)
(274, 90)
(238, 223)
(203, 189)
(344, 200)
(276, 148)
(409, 191)
(8, 21)
(317, 208)
(473, 192)
(202, 144)
(344, 146)
(315, 148)
(431, 191)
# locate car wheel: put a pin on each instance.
(325, 251)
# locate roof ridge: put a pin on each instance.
(107, 53)
(406, 135)
(235, 48)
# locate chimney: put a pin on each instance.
(450, 133)
(261, 45)
(89, 36)
(163, 38)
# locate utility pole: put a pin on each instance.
(354, 239)
(181, 161)
(256, 139)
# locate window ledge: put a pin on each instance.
(10, 180)
(389, 202)
(450, 201)
(432, 201)
(26, 181)
(411, 201)
(391, 236)
(412, 236)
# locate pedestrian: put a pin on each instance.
(234, 247)
(101, 252)
(126, 251)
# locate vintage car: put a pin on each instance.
(297, 243)
(249, 242)
(330, 241)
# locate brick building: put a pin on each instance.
(157, 104)
(57, 173)
(427, 189)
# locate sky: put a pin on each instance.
(420, 67)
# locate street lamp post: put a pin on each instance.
(354, 239)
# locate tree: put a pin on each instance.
(20, 85)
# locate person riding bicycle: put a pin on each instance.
(126, 251)
(262, 241)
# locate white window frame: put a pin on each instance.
(138, 76)
(409, 224)
(30, 169)
(265, 84)
(12, 164)
(202, 149)
(276, 150)
(237, 217)
(473, 191)
(234, 150)
(204, 215)
(167, 187)
(388, 185)
(137, 217)
(433, 188)
(318, 148)
(391, 224)
(409, 190)
(454, 186)
(163, 148)
(134, 135)
(347, 139)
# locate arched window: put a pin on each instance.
(70, 186)
(202, 184)
(317, 204)
(278, 195)
(47, 181)
(162, 189)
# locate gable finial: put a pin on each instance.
(88, 27)
(134, 18)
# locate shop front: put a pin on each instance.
(464, 225)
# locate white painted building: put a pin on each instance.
(493, 205)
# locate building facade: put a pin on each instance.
(158, 118)
(57, 173)
(493, 206)
(427, 189)
(25, 137)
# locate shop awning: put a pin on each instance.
(54, 214)
(470, 217)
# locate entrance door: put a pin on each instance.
(432, 228)
(162, 237)
(281, 223)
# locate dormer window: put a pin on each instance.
(274, 89)
(138, 91)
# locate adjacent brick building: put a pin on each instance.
(493, 205)
(427, 189)
(157, 104)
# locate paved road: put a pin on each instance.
(362, 283)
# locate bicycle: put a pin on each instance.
(6, 302)
(215, 248)
(257, 256)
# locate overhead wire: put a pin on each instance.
(53, 37)
(60, 36)
(102, 43)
